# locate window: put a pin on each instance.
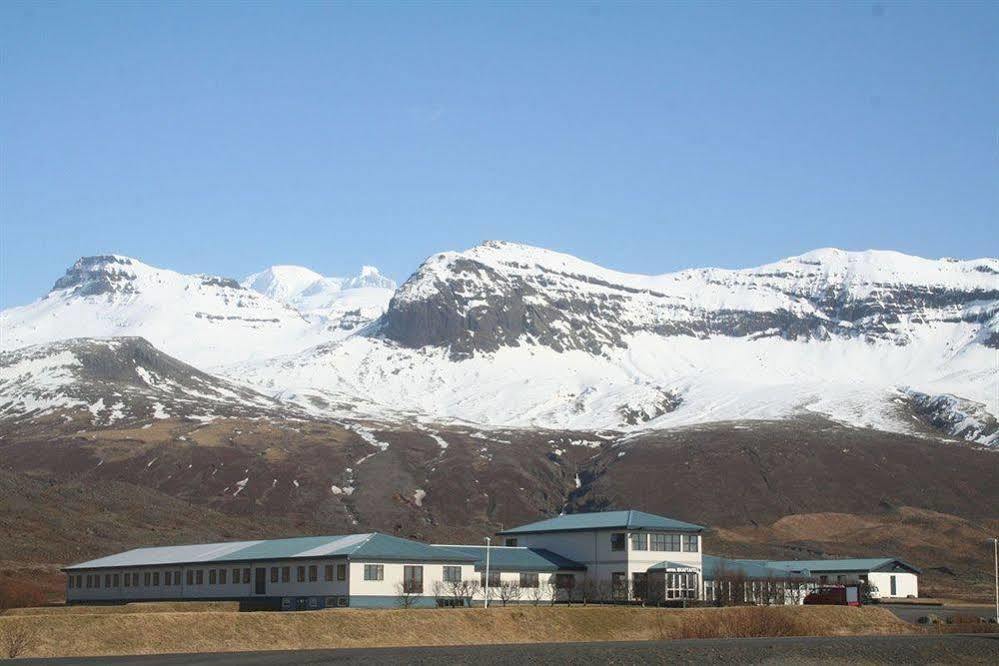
(285, 574)
(667, 542)
(97, 581)
(328, 573)
(565, 581)
(274, 574)
(128, 580)
(528, 580)
(107, 580)
(167, 578)
(235, 576)
(494, 578)
(639, 541)
(374, 572)
(69, 582)
(147, 578)
(301, 574)
(690, 543)
(116, 580)
(617, 541)
(452, 574)
(156, 578)
(341, 572)
(190, 576)
(412, 579)
(510, 541)
(222, 576)
(176, 577)
(313, 573)
(199, 577)
(90, 581)
(212, 577)
(246, 576)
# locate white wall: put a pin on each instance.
(393, 576)
(206, 590)
(906, 584)
(593, 548)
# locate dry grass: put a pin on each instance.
(98, 633)
(142, 607)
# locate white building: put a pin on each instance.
(618, 549)
(369, 570)
(889, 577)
(602, 556)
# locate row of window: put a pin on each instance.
(197, 577)
(283, 574)
(675, 543)
(412, 577)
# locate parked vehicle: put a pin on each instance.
(835, 595)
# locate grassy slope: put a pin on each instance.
(102, 633)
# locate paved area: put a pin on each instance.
(947, 649)
(912, 612)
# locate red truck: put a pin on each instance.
(835, 595)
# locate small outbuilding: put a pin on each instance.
(888, 577)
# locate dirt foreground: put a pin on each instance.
(110, 631)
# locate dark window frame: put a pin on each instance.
(412, 578)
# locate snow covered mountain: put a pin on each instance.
(511, 335)
(312, 293)
(117, 382)
(201, 319)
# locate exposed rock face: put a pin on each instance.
(957, 417)
(500, 294)
(92, 276)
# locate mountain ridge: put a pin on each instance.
(510, 335)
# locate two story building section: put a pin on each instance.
(619, 548)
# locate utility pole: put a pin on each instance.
(488, 540)
(995, 554)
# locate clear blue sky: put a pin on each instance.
(224, 138)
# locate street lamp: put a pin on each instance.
(488, 540)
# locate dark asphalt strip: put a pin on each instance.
(942, 649)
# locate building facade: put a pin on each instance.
(602, 556)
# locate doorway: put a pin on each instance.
(260, 581)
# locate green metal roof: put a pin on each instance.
(369, 546)
(670, 566)
(714, 566)
(844, 565)
(601, 520)
(518, 558)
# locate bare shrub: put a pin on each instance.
(508, 591)
(404, 597)
(538, 593)
(15, 638)
(462, 591)
(20, 594)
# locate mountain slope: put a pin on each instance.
(116, 381)
(511, 335)
(201, 319)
